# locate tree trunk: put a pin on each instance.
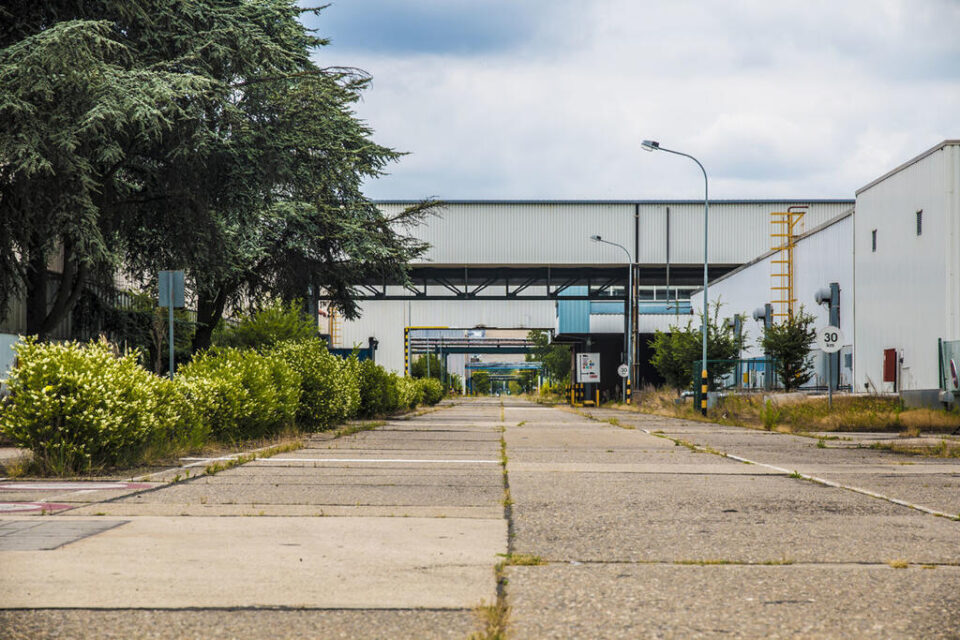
(43, 317)
(37, 283)
(209, 312)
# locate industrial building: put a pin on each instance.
(821, 258)
(894, 262)
(527, 265)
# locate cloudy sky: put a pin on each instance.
(550, 99)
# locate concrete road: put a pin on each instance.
(393, 532)
(655, 528)
(645, 535)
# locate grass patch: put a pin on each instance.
(223, 465)
(521, 423)
(942, 449)
(351, 429)
(522, 560)
(494, 617)
(17, 468)
(799, 413)
(899, 564)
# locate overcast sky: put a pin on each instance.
(550, 99)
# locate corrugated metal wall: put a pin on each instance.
(521, 233)
(903, 287)
(386, 319)
(819, 259)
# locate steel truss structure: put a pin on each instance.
(529, 283)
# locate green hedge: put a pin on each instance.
(431, 390)
(82, 407)
(379, 391)
(241, 394)
(330, 385)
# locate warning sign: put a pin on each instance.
(588, 367)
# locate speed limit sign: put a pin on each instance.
(829, 339)
(623, 370)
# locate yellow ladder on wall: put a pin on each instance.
(786, 227)
(336, 328)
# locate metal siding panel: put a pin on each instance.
(573, 316)
(820, 259)
(900, 301)
(558, 233)
(385, 320)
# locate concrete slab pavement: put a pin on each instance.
(681, 544)
(408, 534)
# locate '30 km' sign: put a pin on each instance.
(829, 339)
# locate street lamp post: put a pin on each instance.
(627, 315)
(653, 145)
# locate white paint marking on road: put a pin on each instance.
(63, 486)
(375, 460)
(823, 481)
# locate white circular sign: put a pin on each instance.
(623, 370)
(829, 339)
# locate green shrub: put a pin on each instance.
(82, 407)
(277, 322)
(330, 385)
(350, 368)
(431, 390)
(379, 393)
(411, 393)
(239, 393)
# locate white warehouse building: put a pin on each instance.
(822, 257)
(896, 260)
(506, 264)
(906, 248)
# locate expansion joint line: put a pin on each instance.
(809, 478)
(792, 474)
(496, 616)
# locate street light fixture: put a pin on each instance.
(653, 145)
(627, 315)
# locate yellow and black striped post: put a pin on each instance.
(629, 391)
(703, 391)
(406, 351)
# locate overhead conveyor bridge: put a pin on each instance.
(470, 345)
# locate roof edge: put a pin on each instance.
(777, 201)
(806, 234)
(912, 161)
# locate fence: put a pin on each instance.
(752, 374)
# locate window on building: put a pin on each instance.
(873, 240)
(919, 221)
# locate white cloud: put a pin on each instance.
(777, 99)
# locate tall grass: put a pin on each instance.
(797, 413)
